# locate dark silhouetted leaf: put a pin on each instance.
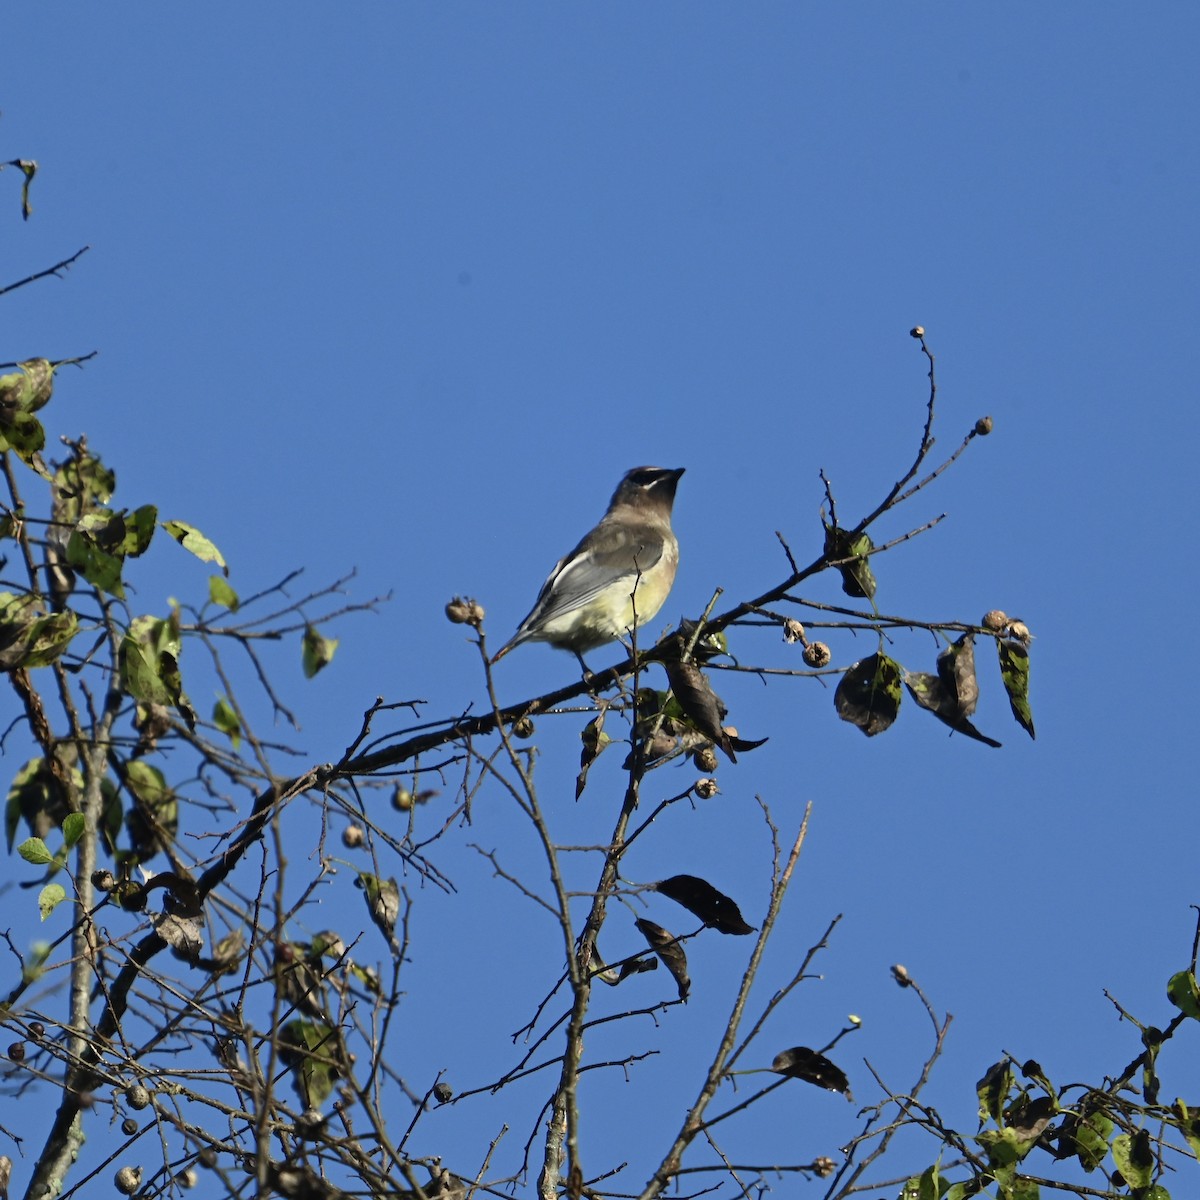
(1029, 1118)
(857, 577)
(956, 669)
(930, 692)
(667, 947)
(802, 1063)
(993, 1090)
(1014, 671)
(869, 694)
(702, 900)
(709, 645)
(702, 707)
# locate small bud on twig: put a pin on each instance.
(465, 611)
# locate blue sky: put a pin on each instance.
(404, 289)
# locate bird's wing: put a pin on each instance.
(614, 554)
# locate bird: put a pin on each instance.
(616, 578)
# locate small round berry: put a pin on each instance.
(917, 331)
(127, 1180)
(996, 620)
(1020, 631)
(37, 1029)
(402, 798)
(129, 1127)
(705, 759)
(817, 655)
(983, 426)
(523, 727)
(824, 1166)
(443, 1093)
(901, 976)
(353, 836)
(136, 1096)
(706, 789)
(16, 1052)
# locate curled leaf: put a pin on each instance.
(702, 708)
(666, 946)
(849, 551)
(594, 741)
(191, 539)
(383, 901)
(1184, 994)
(49, 898)
(702, 900)
(1014, 672)
(813, 1067)
(318, 651)
(869, 694)
(932, 692)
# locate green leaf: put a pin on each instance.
(28, 391)
(155, 818)
(226, 720)
(73, 828)
(1134, 1158)
(1189, 1126)
(34, 850)
(139, 530)
(149, 662)
(219, 592)
(50, 897)
(22, 433)
(1091, 1140)
(29, 639)
(35, 960)
(1183, 993)
(97, 566)
(926, 1186)
(49, 638)
(310, 1050)
(1004, 1147)
(191, 539)
(1014, 671)
(869, 694)
(318, 651)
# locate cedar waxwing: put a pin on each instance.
(617, 577)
